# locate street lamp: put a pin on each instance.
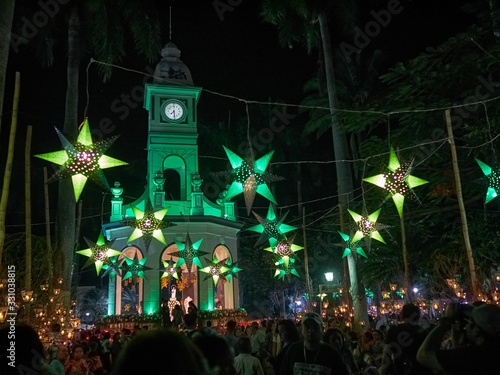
(329, 276)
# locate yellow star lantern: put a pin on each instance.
(82, 160)
(99, 252)
(367, 226)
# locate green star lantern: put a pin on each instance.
(493, 181)
(232, 270)
(134, 268)
(189, 253)
(99, 252)
(148, 224)
(282, 269)
(216, 270)
(271, 227)
(170, 269)
(82, 160)
(367, 226)
(285, 251)
(351, 246)
(398, 181)
(250, 178)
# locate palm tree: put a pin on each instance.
(99, 28)
(291, 16)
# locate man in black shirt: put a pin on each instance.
(312, 356)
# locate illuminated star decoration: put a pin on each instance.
(351, 246)
(250, 177)
(493, 181)
(99, 252)
(148, 224)
(189, 253)
(285, 251)
(82, 160)
(111, 266)
(271, 227)
(367, 226)
(216, 270)
(232, 270)
(282, 269)
(126, 307)
(170, 269)
(134, 268)
(398, 181)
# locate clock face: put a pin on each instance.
(174, 111)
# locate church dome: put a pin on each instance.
(171, 69)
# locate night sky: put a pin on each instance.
(233, 53)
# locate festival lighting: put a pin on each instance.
(271, 227)
(493, 181)
(367, 226)
(351, 246)
(148, 224)
(99, 252)
(189, 253)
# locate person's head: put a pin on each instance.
(410, 313)
(483, 324)
(244, 345)
(209, 323)
(270, 326)
(62, 353)
(231, 326)
(217, 352)
(254, 327)
(312, 328)
(146, 351)
(334, 337)
(190, 321)
(106, 336)
(238, 331)
(78, 352)
(288, 332)
(116, 337)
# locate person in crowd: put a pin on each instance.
(245, 363)
(257, 338)
(312, 356)
(106, 351)
(288, 334)
(217, 353)
(239, 331)
(58, 357)
(478, 356)
(77, 365)
(147, 352)
(271, 343)
(26, 356)
(116, 347)
(177, 316)
(402, 343)
(190, 323)
(230, 336)
(209, 329)
(335, 338)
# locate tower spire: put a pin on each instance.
(170, 23)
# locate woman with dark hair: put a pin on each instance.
(77, 365)
(335, 338)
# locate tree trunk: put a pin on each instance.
(65, 222)
(27, 208)
(6, 16)
(344, 177)
(8, 166)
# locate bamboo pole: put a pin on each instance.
(47, 228)
(306, 260)
(8, 164)
(463, 217)
(406, 262)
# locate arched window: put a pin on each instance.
(130, 291)
(223, 293)
(172, 185)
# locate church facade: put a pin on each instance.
(209, 229)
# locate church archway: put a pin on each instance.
(130, 291)
(174, 171)
(223, 291)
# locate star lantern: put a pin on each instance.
(351, 246)
(189, 253)
(367, 226)
(99, 252)
(111, 266)
(82, 160)
(282, 269)
(216, 270)
(135, 268)
(170, 269)
(398, 181)
(250, 178)
(232, 270)
(285, 251)
(148, 224)
(271, 227)
(493, 180)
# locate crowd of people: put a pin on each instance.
(464, 340)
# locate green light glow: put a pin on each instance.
(189, 253)
(99, 252)
(135, 268)
(351, 246)
(493, 181)
(271, 227)
(82, 160)
(367, 226)
(148, 224)
(249, 177)
(398, 181)
(216, 270)
(170, 269)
